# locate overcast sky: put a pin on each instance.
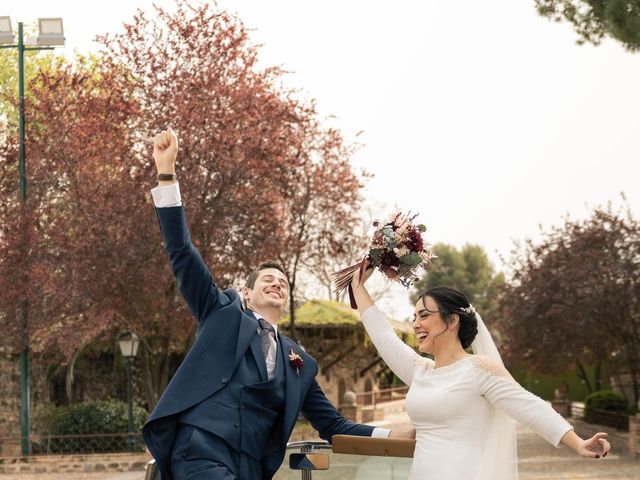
(483, 117)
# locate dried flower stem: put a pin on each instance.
(342, 278)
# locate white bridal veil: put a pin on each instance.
(499, 452)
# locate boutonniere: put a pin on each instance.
(296, 361)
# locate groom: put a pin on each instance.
(232, 404)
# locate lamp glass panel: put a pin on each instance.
(50, 26)
(5, 25)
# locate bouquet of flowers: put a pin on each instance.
(397, 250)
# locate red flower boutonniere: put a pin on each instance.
(296, 361)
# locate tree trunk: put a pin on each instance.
(147, 378)
(634, 380)
(598, 376)
(582, 374)
(163, 379)
(292, 313)
(156, 372)
(68, 384)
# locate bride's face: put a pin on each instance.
(428, 325)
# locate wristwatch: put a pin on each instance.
(167, 177)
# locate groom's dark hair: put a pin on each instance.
(251, 279)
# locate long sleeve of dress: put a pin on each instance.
(498, 387)
(399, 356)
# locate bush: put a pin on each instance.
(93, 418)
(605, 400)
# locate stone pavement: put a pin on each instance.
(537, 461)
(75, 476)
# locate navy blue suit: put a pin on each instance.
(221, 387)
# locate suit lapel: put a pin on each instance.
(292, 383)
(248, 330)
(256, 349)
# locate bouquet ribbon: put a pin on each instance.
(361, 271)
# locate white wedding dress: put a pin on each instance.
(452, 407)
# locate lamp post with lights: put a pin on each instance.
(50, 34)
(128, 343)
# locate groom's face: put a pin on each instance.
(270, 289)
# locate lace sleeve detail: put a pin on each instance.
(492, 367)
(422, 362)
(399, 356)
(497, 385)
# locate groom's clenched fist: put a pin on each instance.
(165, 151)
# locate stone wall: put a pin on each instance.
(346, 363)
(9, 396)
(97, 377)
(623, 384)
(10, 422)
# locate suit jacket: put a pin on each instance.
(225, 333)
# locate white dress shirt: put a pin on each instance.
(167, 196)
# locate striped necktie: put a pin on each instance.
(266, 330)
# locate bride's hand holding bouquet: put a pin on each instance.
(397, 250)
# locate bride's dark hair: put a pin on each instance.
(450, 301)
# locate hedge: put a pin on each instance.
(91, 419)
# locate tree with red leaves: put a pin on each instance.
(573, 299)
(93, 264)
(320, 207)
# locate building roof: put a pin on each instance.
(329, 313)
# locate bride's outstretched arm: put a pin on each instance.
(498, 387)
(400, 358)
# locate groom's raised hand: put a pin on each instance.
(165, 151)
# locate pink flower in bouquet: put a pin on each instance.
(397, 250)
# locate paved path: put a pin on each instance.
(537, 461)
(76, 476)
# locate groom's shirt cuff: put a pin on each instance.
(167, 196)
(380, 433)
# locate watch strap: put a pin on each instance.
(167, 177)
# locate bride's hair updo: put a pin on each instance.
(450, 301)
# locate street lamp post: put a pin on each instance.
(128, 343)
(50, 33)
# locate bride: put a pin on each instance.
(462, 406)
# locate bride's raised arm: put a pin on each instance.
(399, 356)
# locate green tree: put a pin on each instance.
(469, 270)
(34, 63)
(595, 19)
